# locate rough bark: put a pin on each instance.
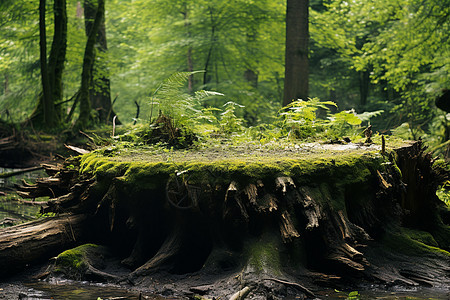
(48, 111)
(296, 60)
(85, 118)
(28, 243)
(48, 106)
(99, 90)
(58, 54)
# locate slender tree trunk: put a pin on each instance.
(100, 87)
(190, 64)
(249, 74)
(296, 61)
(206, 75)
(47, 102)
(6, 85)
(364, 81)
(84, 120)
(58, 54)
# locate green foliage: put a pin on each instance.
(229, 122)
(181, 107)
(354, 296)
(444, 193)
(301, 119)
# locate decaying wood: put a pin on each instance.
(233, 202)
(240, 211)
(22, 171)
(287, 228)
(283, 184)
(38, 240)
(164, 258)
(310, 208)
(77, 149)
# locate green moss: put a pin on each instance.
(264, 254)
(75, 259)
(421, 236)
(413, 242)
(347, 167)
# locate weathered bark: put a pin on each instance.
(58, 54)
(296, 60)
(48, 106)
(28, 243)
(48, 110)
(99, 90)
(85, 118)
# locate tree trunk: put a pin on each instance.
(58, 55)
(190, 64)
(6, 85)
(48, 107)
(48, 111)
(85, 119)
(364, 81)
(100, 89)
(296, 61)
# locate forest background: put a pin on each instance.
(383, 56)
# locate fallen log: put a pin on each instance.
(39, 240)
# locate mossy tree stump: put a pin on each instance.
(293, 217)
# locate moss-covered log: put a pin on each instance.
(28, 243)
(281, 221)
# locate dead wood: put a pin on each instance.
(18, 172)
(38, 240)
(233, 204)
(295, 285)
(287, 228)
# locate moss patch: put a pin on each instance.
(74, 262)
(304, 165)
(413, 242)
(264, 254)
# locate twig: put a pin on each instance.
(293, 284)
(241, 294)
(14, 173)
(86, 135)
(114, 126)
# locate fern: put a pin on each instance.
(170, 99)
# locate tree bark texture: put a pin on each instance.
(100, 88)
(85, 117)
(58, 54)
(297, 50)
(28, 243)
(48, 106)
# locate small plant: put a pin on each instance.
(229, 122)
(355, 295)
(170, 100)
(178, 112)
(444, 193)
(299, 117)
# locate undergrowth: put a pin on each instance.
(182, 120)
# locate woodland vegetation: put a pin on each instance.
(363, 55)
